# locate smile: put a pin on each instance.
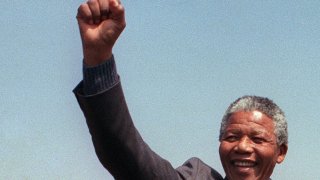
(240, 163)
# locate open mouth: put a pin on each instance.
(243, 163)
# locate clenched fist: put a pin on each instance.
(101, 23)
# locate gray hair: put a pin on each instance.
(264, 105)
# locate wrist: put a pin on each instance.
(95, 57)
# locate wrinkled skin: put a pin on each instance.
(248, 148)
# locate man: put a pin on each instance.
(253, 134)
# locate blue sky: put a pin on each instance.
(181, 63)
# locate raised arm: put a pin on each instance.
(117, 142)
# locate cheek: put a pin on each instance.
(268, 154)
(223, 155)
(224, 149)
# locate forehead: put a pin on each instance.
(250, 120)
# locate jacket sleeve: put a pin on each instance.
(117, 142)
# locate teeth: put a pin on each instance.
(244, 164)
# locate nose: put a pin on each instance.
(244, 145)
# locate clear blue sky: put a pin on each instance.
(181, 64)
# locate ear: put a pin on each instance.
(282, 153)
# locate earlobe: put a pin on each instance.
(282, 153)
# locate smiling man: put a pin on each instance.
(253, 138)
(253, 134)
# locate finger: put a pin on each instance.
(104, 9)
(117, 10)
(84, 14)
(95, 10)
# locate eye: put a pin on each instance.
(231, 138)
(258, 140)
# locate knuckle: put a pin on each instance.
(91, 2)
(124, 24)
(81, 7)
(81, 10)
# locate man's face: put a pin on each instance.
(248, 148)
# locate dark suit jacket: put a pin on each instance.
(120, 147)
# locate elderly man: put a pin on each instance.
(253, 134)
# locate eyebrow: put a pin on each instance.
(234, 131)
(253, 132)
(257, 132)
